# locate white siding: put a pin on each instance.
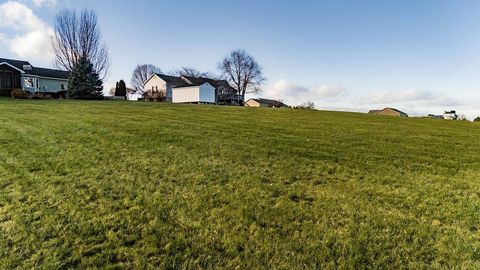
(207, 93)
(186, 94)
(155, 83)
(204, 93)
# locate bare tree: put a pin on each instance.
(192, 72)
(243, 72)
(140, 75)
(78, 36)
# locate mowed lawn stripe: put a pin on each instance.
(139, 185)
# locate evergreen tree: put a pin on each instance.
(84, 82)
(121, 90)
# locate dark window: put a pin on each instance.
(63, 87)
(6, 80)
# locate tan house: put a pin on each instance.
(389, 111)
(263, 102)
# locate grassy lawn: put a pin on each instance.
(148, 185)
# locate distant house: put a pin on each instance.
(263, 102)
(187, 89)
(435, 116)
(450, 115)
(389, 111)
(16, 74)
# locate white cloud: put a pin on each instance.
(33, 36)
(296, 94)
(397, 96)
(48, 3)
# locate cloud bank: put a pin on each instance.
(297, 94)
(47, 3)
(32, 38)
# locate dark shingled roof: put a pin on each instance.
(42, 72)
(174, 81)
(16, 63)
(52, 73)
(187, 81)
(213, 82)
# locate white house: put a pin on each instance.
(16, 74)
(450, 115)
(187, 89)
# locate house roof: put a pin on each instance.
(52, 73)
(387, 108)
(42, 72)
(187, 81)
(175, 81)
(270, 102)
(16, 63)
(393, 109)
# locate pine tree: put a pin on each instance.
(121, 89)
(84, 82)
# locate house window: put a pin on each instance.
(156, 88)
(153, 88)
(28, 82)
(63, 87)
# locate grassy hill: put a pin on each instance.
(131, 185)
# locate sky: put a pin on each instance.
(421, 57)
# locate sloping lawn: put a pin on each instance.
(147, 185)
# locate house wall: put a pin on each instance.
(156, 83)
(51, 85)
(44, 84)
(186, 94)
(207, 93)
(204, 93)
(390, 113)
(252, 103)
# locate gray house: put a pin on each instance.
(16, 74)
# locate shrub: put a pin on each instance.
(19, 93)
(306, 106)
(477, 119)
(154, 95)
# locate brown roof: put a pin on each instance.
(270, 102)
(387, 108)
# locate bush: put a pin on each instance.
(19, 93)
(306, 106)
(477, 119)
(154, 95)
(41, 95)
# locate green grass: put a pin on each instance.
(148, 185)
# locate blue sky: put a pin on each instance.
(418, 56)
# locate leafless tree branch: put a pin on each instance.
(78, 36)
(243, 72)
(140, 75)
